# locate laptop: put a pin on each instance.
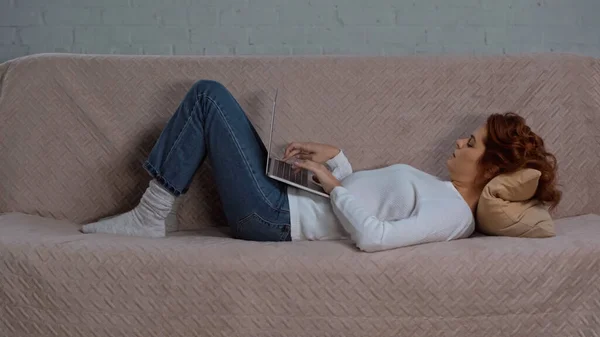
(284, 172)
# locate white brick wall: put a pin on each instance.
(282, 27)
(57, 16)
(8, 33)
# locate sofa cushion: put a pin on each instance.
(507, 207)
(54, 278)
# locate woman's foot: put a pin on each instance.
(171, 223)
(148, 218)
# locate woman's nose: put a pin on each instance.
(459, 143)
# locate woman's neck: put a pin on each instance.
(470, 193)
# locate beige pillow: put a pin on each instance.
(506, 207)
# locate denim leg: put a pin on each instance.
(210, 123)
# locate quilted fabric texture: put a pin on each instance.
(506, 207)
(75, 130)
(55, 281)
(79, 127)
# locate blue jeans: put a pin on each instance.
(209, 122)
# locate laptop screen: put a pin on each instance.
(271, 132)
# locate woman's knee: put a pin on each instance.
(210, 87)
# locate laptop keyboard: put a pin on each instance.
(285, 171)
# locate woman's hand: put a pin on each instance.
(325, 177)
(318, 153)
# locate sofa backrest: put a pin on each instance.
(75, 129)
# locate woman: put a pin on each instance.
(378, 209)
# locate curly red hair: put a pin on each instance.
(510, 145)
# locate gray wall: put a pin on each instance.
(298, 26)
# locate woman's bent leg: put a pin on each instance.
(210, 123)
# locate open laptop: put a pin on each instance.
(282, 171)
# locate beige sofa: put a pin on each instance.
(75, 129)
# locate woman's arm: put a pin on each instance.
(436, 220)
(339, 166)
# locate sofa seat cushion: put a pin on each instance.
(54, 277)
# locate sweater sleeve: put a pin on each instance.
(340, 166)
(434, 221)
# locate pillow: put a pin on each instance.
(506, 207)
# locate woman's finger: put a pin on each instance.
(309, 165)
(290, 148)
(295, 146)
(305, 156)
(291, 154)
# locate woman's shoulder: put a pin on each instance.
(402, 167)
(407, 168)
(409, 173)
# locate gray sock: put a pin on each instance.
(171, 222)
(148, 218)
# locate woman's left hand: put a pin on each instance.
(327, 180)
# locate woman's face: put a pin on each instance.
(463, 162)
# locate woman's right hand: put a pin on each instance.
(319, 153)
